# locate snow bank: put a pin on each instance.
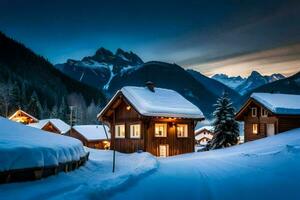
(94, 180)
(279, 103)
(25, 147)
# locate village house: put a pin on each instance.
(156, 120)
(52, 125)
(204, 134)
(23, 117)
(267, 114)
(93, 136)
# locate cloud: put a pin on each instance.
(285, 60)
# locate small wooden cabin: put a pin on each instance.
(204, 134)
(93, 136)
(266, 114)
(23, 117)
(156, 120)
(52, 125)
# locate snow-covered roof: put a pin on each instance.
(93, 132)
(209, 128)
(160, 103)
(25, 147)
(279, 103)
(23, 112)
(58, 123)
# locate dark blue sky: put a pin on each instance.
(186, 32)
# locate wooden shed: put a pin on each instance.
(52, 125)
(267, 114)
(156, 120)
(93, 136)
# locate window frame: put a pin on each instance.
(186, 128)
(254, 109)
(165, 127)
(257, 127)
(120, 137)
(264, 112)
(130, 130)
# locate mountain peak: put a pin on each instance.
(255, 73)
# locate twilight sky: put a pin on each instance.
(232, 37)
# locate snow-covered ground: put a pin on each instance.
(94, 180)
(263, 169)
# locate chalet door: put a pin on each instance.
(163, 150)
(270, 130)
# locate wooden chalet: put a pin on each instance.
(52, 125)
(204, 135)
(93, 136)
(23, 117)
(156, 120)
(266, 114)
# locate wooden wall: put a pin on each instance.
(96, 144)
(287, 123)
(261, 121)
(148, 142)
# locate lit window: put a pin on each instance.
(254, 128)
(182, 130)
(254, 112)
(135, 131)
(120, 131)
(160, 130)
(264, 112)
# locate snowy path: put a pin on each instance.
(258, 170)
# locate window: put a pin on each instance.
(160, 130)
(120, 131)
(264, 112)
(182, 130)
(135, 131)
(255, 128)
(254, 112)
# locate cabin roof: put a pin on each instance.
(209, 128)
(92, 132)
(58, 123)
(160, 103)
(279, 103)
(24, 113)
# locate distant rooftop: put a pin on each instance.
(93, 132)
(279, 103)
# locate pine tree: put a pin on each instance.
(63, 110)
(54, 112)
(226, 128)
(23, 97)
(34, 106)
(46, 112)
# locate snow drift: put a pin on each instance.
(26, 147)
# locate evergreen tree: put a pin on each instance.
(34, 106)
(63, 110)
(226, 128)
(54, 112)
(23, 97)
(16, 95)
(46, 112)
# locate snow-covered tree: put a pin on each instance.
(54, 112)
(226, 128)
(63, 111)
(34, 106)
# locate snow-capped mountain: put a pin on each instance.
(245, 85)
(98, 70)
(232, 82)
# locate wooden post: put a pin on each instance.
(114, 152)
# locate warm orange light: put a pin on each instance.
(128, 107)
